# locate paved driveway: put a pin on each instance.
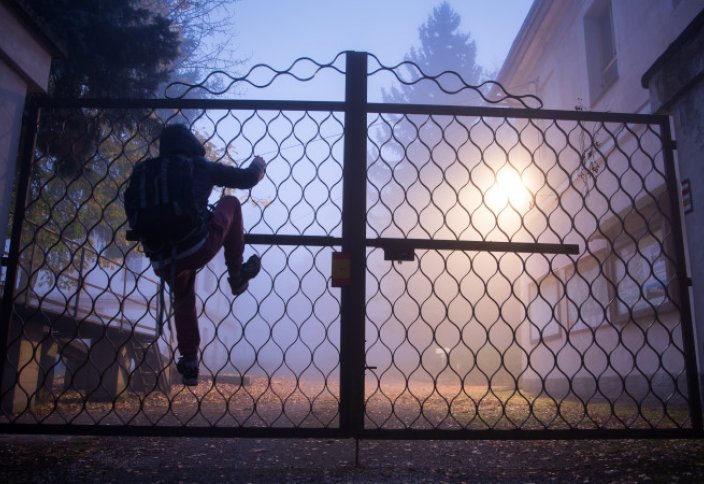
(174, 459)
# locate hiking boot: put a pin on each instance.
(239, 282)
(188, 370)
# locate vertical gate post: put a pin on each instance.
(354, 202)
(9, 375)
(687, 322)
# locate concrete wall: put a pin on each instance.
(676, 83)
(12, 94)
(25, 60)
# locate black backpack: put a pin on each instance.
(159, 203)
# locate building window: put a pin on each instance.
(642, 268)
(628, 275)
(601, 48)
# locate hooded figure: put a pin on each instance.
(178, 139)
(222, 228)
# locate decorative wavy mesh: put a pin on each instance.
(85, 344)
(539, 287)
(522, 340)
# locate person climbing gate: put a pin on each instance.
(166, 203)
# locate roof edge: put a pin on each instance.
(527, 32)
(687, 34)
(33, 22)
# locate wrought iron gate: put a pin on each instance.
(513, 272)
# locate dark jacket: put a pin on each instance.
(178, 140)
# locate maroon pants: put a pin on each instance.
(225, 230)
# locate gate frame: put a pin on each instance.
(352, 400)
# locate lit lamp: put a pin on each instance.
(508, 189)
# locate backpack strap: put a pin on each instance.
(173, 281)
(164, 192)
(162, 310)
(162, 301)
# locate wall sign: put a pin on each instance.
(687, 203)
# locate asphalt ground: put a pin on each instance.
(36, 458)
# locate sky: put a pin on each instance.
(276, 32)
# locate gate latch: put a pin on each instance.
(399, 253)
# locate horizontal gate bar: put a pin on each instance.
(204, 104)
(529, 434)
(474, 245)
(500, 112)
(338, 106)
(169, 431)
(410, 244)
(336, 433)
(274, 239)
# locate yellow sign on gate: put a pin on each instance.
(341, 269)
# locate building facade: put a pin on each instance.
(591, 55)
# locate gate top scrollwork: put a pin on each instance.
(220, 82)
(303, 69)
(489, 91)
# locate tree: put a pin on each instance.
(205, 29)
(131, 48)
(443, 49)
(114, 48)
(445, 53)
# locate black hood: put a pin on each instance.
(178, 139)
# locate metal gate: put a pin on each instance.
(511, 272)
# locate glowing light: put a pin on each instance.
(509, 189)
